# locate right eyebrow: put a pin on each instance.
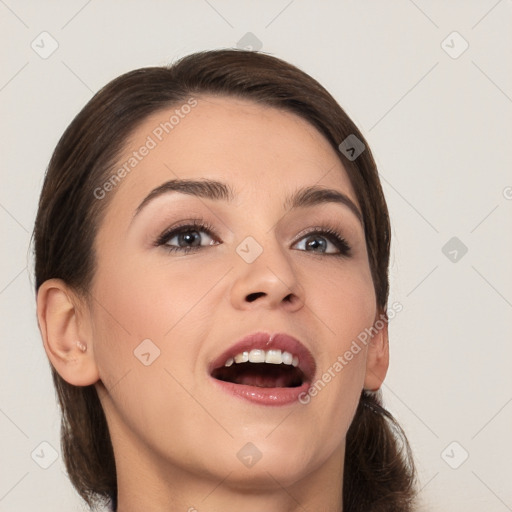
(209, 189)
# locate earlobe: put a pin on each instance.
(377, 359)
(65, 333)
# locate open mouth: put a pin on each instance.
(262, 375)
(265, 369)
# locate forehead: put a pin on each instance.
(260, 151)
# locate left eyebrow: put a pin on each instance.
(219, 191)
(311, 196)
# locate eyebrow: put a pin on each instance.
(219, 191)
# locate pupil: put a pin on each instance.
(190, 236)
(315, 243)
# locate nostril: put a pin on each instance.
(253, 296)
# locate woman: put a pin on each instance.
(212, 246)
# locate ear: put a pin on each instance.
(377, 358)
(64, 324)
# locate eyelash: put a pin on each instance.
(328, 232)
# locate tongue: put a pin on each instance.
(263, 381)
(261, 375)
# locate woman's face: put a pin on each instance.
(167, 307)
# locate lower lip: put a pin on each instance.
(264, 396)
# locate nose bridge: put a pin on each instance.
(265, 273)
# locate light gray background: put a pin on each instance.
(440, 129)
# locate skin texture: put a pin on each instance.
(175, 435)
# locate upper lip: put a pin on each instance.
(278, 341)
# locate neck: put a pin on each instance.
(146, 482)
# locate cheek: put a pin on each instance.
(171, 305)
(343, 299)
(151, 299)
(145, 324)
(168, 303)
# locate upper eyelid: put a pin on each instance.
(205, 226)
(299, 213)
(190, 225)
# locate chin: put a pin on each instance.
(266, 463)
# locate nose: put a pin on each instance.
(269, 282)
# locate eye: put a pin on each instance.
(198, 234)
(324, 241)
(187, 237)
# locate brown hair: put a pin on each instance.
(379, 471)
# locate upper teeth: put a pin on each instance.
(264, 356)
